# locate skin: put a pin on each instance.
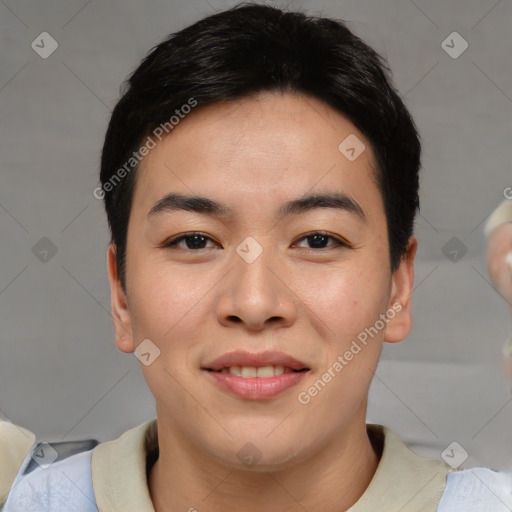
(499, 244)
(198, 304)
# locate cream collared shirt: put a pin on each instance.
(403, 480)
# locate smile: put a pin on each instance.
(255, 376)
(262, 372)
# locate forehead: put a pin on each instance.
(260, 150)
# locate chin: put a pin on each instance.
(260, 454)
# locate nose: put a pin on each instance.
(256, 294)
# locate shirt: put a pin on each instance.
(112, 477)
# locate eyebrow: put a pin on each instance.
(203, 205)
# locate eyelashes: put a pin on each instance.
(321, 235)
(194, 236)
(195, 241)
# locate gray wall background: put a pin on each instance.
(60, 373)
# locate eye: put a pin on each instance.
(197, 241)
(192, 241)
(319, 240)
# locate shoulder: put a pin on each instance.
(83, 476)
(477, 490)
(54, 477)
(15, 443)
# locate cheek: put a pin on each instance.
(164, 300)
(347, 299)
(167, 307)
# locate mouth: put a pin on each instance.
(261, 372)
(256, 376)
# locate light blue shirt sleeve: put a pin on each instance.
(65, 486)
(477, 490)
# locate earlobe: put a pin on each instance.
(399, 307)
(119, 305)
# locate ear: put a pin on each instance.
(119, 305)
(399, 325)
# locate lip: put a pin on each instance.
(255, 388)
(257, 360)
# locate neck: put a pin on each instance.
(330, 481)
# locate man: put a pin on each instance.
(260, 176)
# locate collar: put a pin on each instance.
(403, 480)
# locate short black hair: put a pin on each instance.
(250, 49)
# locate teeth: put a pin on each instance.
(249, 371)
(278, 370)
(234, 370)
(263, 372)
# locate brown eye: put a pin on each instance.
(319, 240)
(192, 241)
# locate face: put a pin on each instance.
(256, 296)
